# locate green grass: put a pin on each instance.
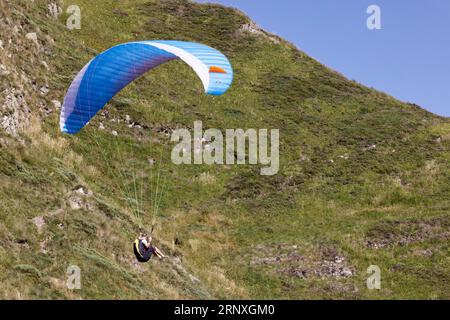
(390, 192)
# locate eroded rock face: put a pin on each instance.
(257, 31)
(289, 260)
(25, 61)
(387, 234)
(14, 111)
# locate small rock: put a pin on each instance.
(426, 253)
(45, 65)
(50, 40)
(75, 203)
(32, 36)
(127, 118)
(346, 272)
(23, 243)
(58, 283)
(114, 133)
(44, 90)
(101, 126)
(39, 222)
(43, 247)
(56, 104)
(4, 71)
(194, 279)
(177, 260)
(54, 10)
(1, 45)
(83, 191)
(370, 147)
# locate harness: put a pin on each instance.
(142, 254)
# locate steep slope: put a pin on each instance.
(364, 178)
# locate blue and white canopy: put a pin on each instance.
(108, 73)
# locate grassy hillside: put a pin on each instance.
(364, 179)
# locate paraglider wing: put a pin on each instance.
(108, 73)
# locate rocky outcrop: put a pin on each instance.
(25, 55)
(14, 111)
(257, 31)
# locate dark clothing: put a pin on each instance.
(143, 254)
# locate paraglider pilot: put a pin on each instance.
(144, 250)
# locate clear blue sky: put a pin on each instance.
(409, 58)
